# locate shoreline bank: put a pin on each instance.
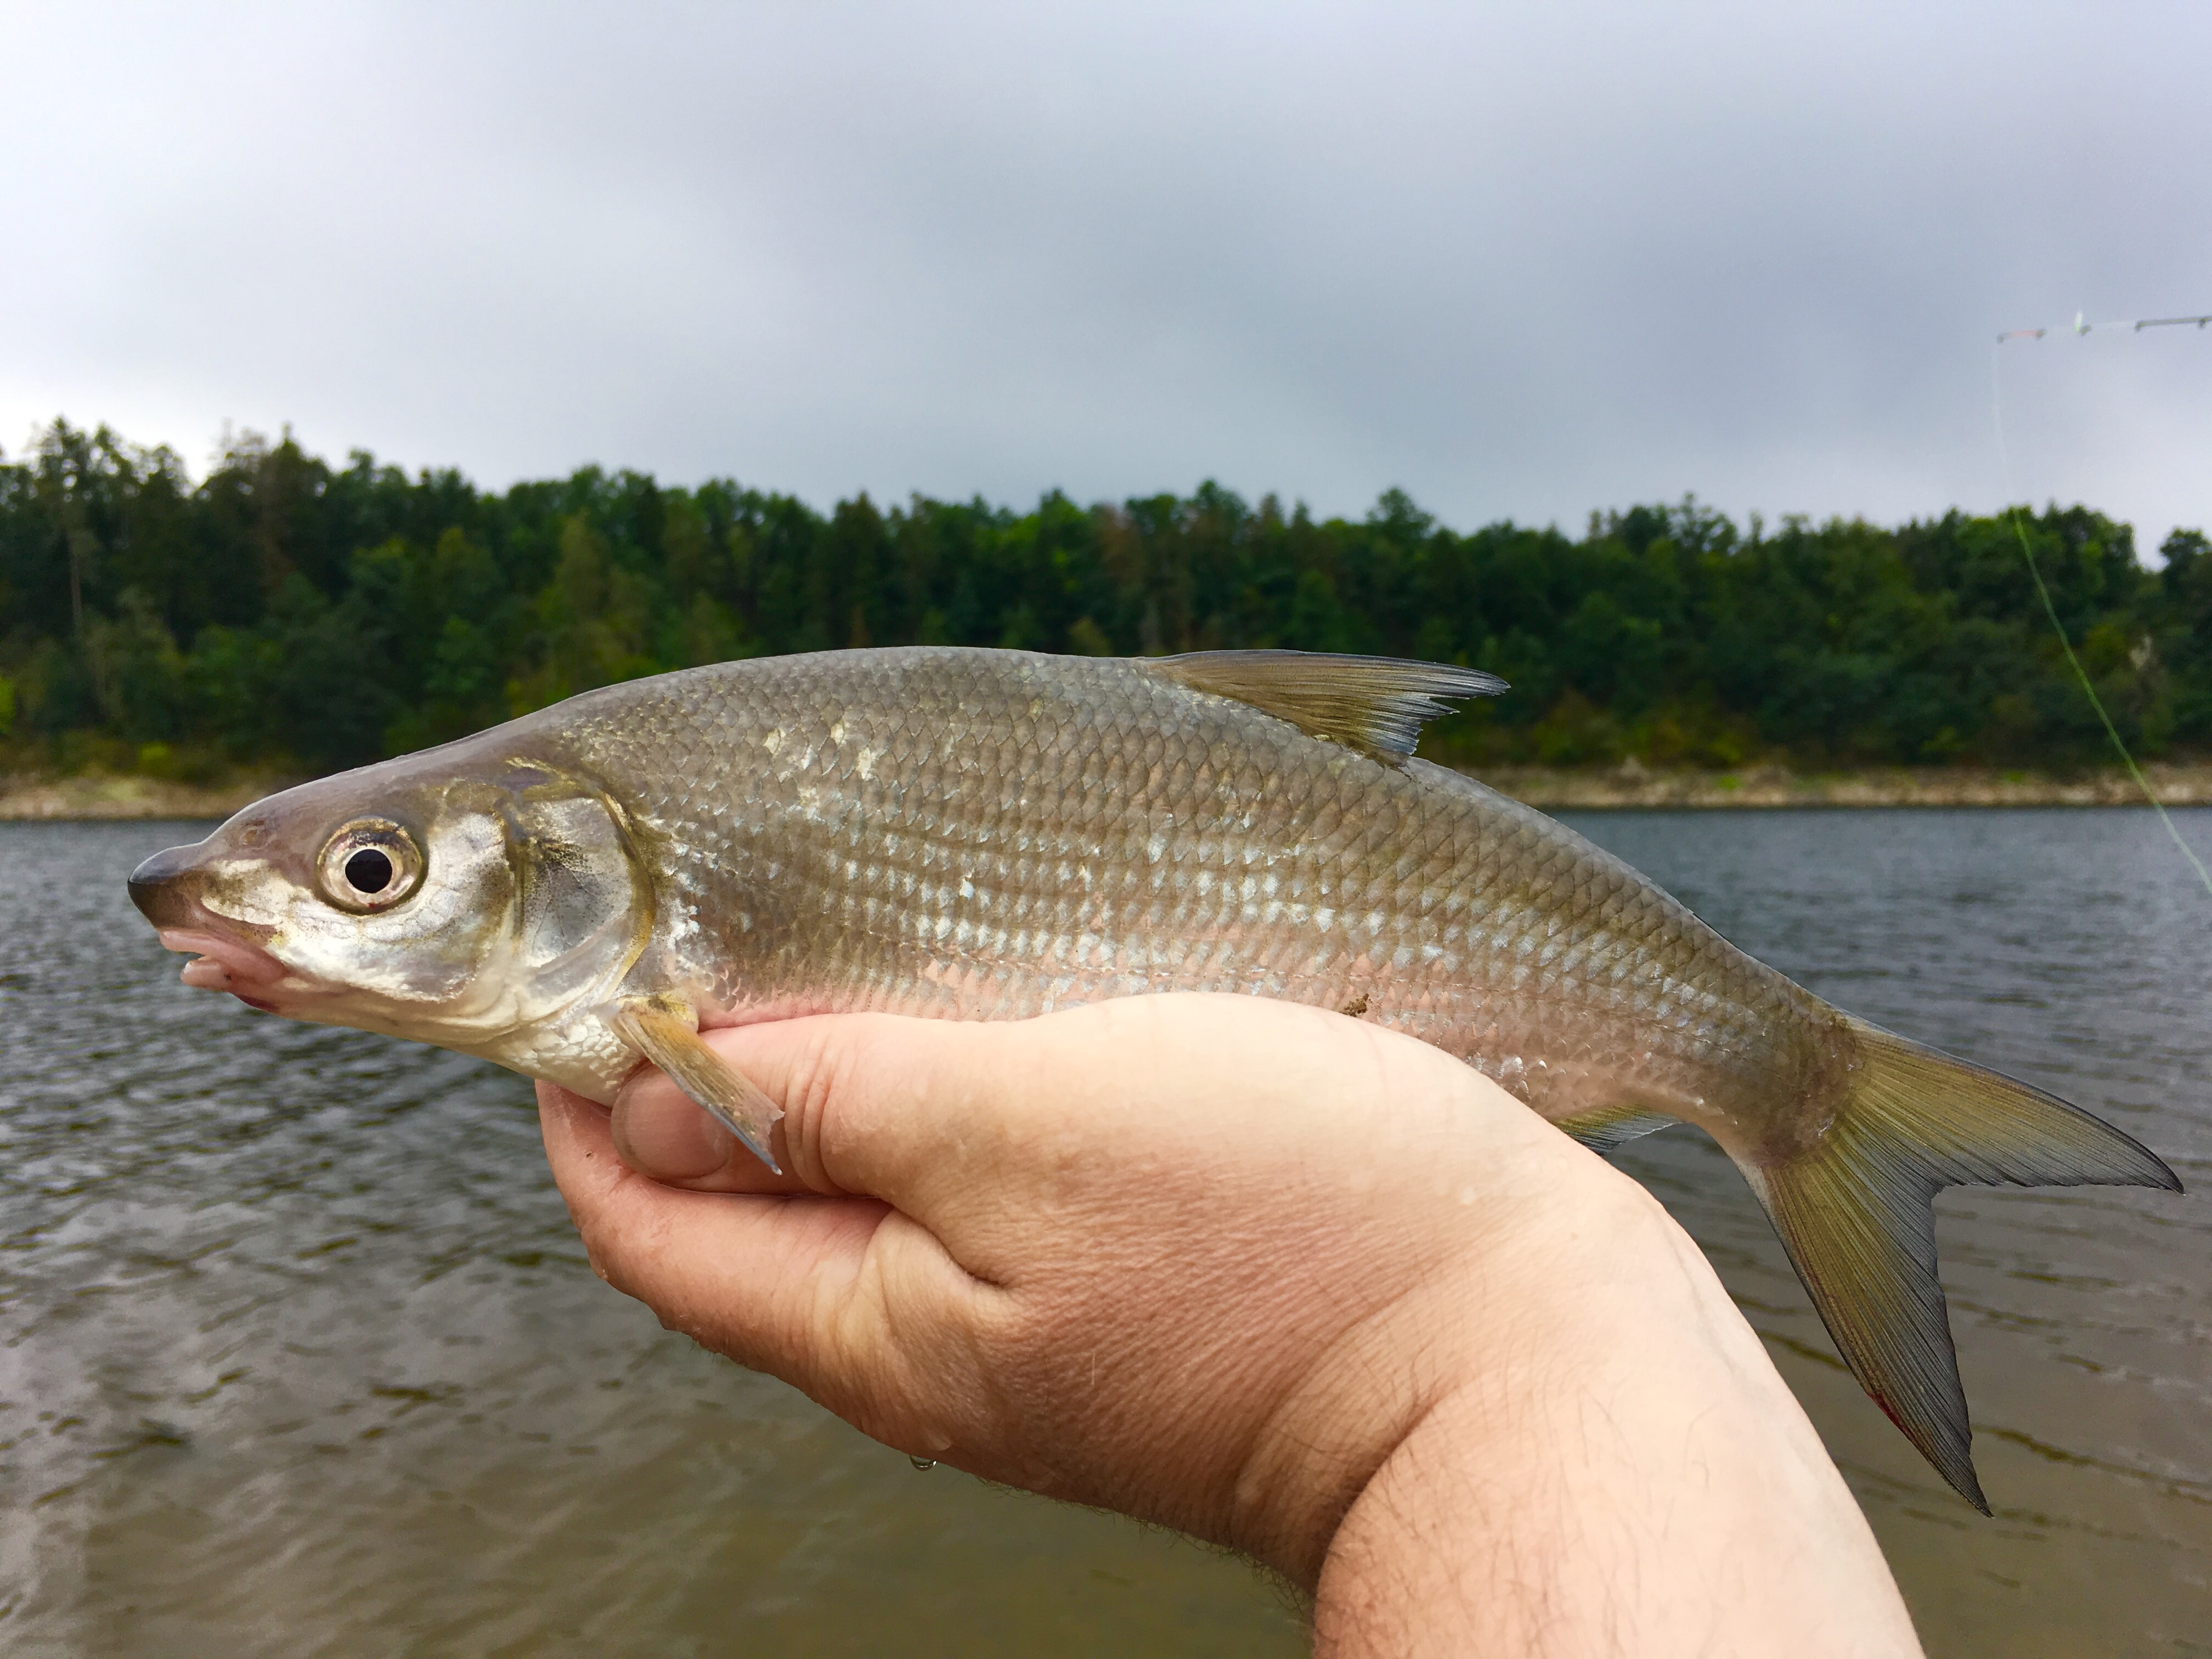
(1634, 785)
(1551, 789)
(103, 797)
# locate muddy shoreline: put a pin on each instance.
(1554, 789)
(100, 797)
(1632, 786)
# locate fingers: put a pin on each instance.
(802, 1286)
(634, 1227)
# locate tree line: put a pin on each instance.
(287, 613)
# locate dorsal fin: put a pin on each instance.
(1375, 704)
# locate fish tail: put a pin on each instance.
(1854, 1210)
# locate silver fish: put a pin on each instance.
(987, 834)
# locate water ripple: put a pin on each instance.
(296, 1344)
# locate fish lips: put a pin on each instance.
(163, 889)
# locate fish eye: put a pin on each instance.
(370, 870)
(371, 864)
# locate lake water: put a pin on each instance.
(299, 1356)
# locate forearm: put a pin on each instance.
(1630, 1476)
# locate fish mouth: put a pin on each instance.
(223, 962)
(166, 888)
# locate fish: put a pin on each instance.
(976, 834)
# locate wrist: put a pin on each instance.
(1603, 1456)
(1532, 1286)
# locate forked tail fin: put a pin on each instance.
(1854, 1212)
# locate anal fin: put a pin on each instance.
(1606, 1131)
(667, 1033)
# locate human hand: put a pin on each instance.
(1279, 1279)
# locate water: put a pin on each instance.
(2073, 949)
(299, 1356)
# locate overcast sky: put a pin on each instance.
(1521, 261)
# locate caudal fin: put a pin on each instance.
(1854, 1212)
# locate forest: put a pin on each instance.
(289, 614)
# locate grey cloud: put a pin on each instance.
(1521, 261)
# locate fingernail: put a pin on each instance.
(674, 1141)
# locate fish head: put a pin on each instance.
(454, 903)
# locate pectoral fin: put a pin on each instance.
(667, 1034)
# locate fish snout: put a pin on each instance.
(168, 890)
(162, 887)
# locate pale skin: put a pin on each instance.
(1274, 1277)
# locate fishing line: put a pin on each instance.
(2043, 593)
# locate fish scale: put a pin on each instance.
(1081, 830)
(972, 834)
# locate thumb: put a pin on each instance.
(873, 1103)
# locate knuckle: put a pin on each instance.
(823, 1076)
